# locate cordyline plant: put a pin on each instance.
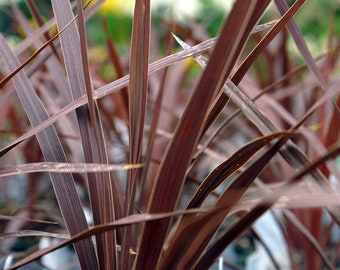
(176, 163)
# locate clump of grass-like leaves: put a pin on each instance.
(175, 159)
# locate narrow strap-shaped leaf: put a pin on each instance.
(139, 60)
(51, 148)
(38, 18)
(99, 229)
(197, 232)
(304, 231)
(104, 189)
(55, 68)
(178, 154)
(106, 89)
(301, 44)
(233, 194)
(245, 222)
(239, 98)
(294, 156)
(138, 84)
(278, 26)
(118, 65)
(244, 67)
(224, 170)
(123, 82)
(155, 119)
(183, 252)
(235, 191)
(73, 44)
(58, 167)
(25, 44)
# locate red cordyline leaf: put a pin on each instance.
(126, 221)
(39, 19)
(245, 222)
(59, 167)
(51, 148)
(294, 156)
(173, 168)
(304, 231)
(195, 230)
(224, 170)
(25, 44)
(138, 84)
(73, 44)
(244, 67)
(108, 88)
(301, 44)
